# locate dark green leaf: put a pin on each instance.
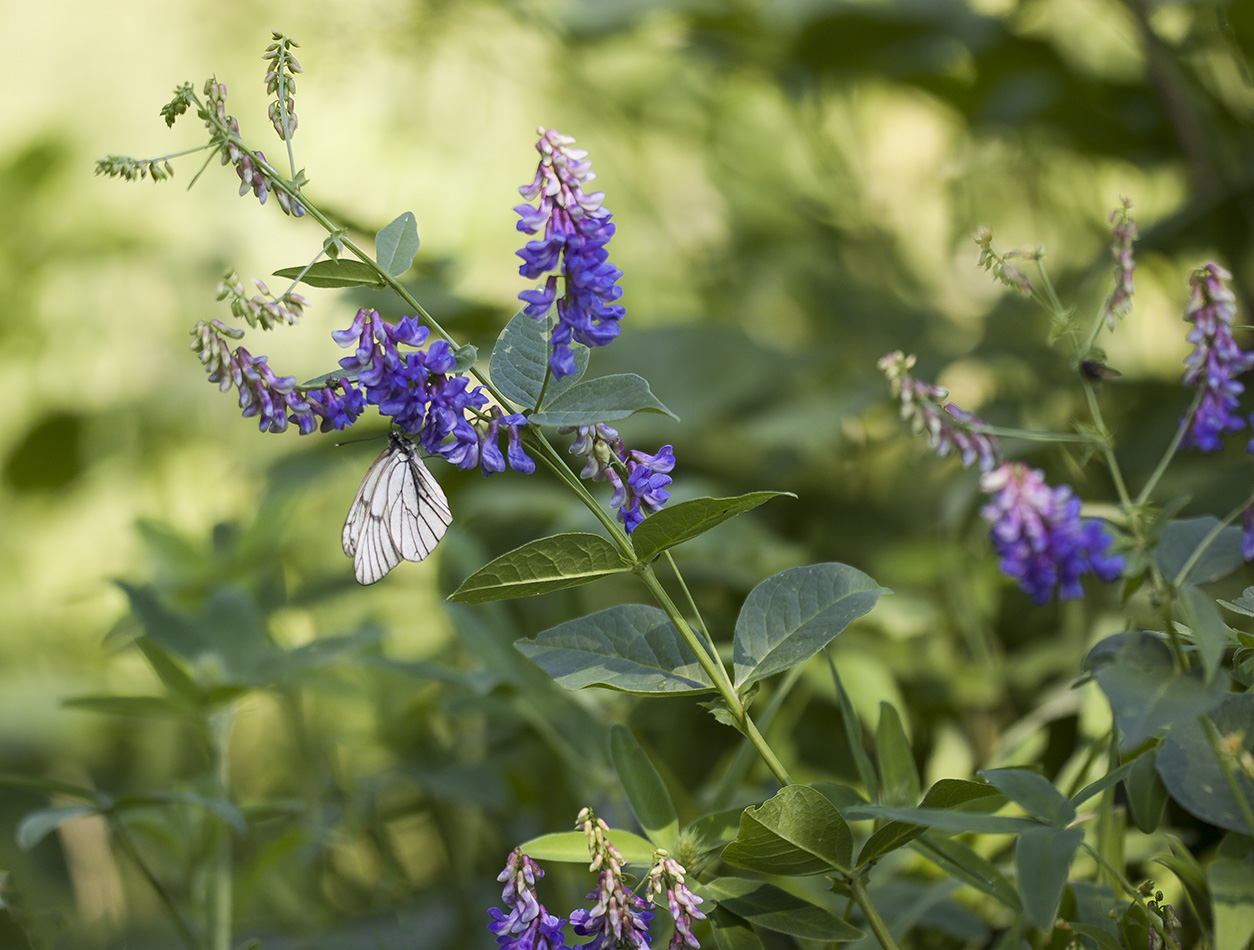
(1042, 862)
(644, 788)
(715, 830)
(1194, 777)
(842, 796)
(775, 909)
(174, 631)
(1231, 885)
(1096, 787)
(1034, 793)
(899, 777)
(48, 786)
(1210, 633)
(604, 399)
(798, 831)
(633, 648)
(137, 707)
(950, 793)
(732, 932)
(520, 360)
(1147, 795)
(39, 824)
(688, 519)
(1101, 938)
(223, 809)
(396, 244)
(553, 563)
(168, 670)
(464, 357)
(853, 735)
(961, 862)
(788, 618)
(335, 274)
(944, 820)
(1243, 604)
(1179, 539)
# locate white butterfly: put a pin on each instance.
(400, 512)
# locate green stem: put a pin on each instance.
(1118, 876)
(692, 604)
(220, 912)
(180, 921)
(1108, 453)
(1225, 764)
(740, 762)
(1168, 455)
(873, 919)
(1208, 540)
(1026, 435)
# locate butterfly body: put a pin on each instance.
(399, 512)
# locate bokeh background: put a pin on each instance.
(795, 186)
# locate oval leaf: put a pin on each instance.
(687, 519)
(1034, 793)
(731, 932)
(520, 362)
(1195, 778)
(796, 832)
(775, 909)
(553, 563)
(899, 777)
(571, 847)
(334, 274)
(646, 793)
(604, 399)
(632, 648)
(788, 618)
(1180, 538)
(1042, 863)
(396, 244)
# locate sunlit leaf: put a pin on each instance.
(335, 274)
(537, 567)
(396, 244)
(571, 847)
(798, 831)
(520, 359)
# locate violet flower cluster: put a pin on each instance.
(576, 229)
(644, 487)
(924, 406)
(1042, 540)
(527, 926)
(1216, 361)
(251, 175)
(617, 919)
(666, 877)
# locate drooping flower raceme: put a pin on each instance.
(527, 926)
(618, 919)
(1119, 303)
(576, 229)
(666, 877)
(251, 175)
(644, 488)
(923, 405)
(1216, 361)
(1038, 533)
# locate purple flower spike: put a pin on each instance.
(1216, 361)
(642, 490)
(528, 926)
(576, 229)
(666, 877)
(617, 919)
(1040, 537)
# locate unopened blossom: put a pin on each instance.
(527, 926)
(924, 406)
(253, 175)
(1119, 304)
(617, 919)
(1040, 537)
(262, 309)
(281, 83)
(575, 229)
(639, 479)
(1005, 272)
(1216, 361)
(666, 879)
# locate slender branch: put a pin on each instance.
(873, 919)
(1169, 454)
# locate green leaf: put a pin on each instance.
(1183, 865)
(1193, 776)
(798, 831)
(168, 670)
(732, 932)
(1231, 885)
(963, 863)
(136, 707)
(520, 362)
(1113, 777)
(788, 618)
(1242, 605)
(948, 793)
(335, 274)
(899, 777)
(223, 809)
(604, 399)
(571, 847)
(1034, 793)
(650, 801)
(715, 830)
(775, 909)
(464, 357)
(687, 519)
(552, 563)
(175, 632)
(1179, 539)
(853, 735)
(944, 819)
(396, 244)
(1101, 938)
(1210, 633)
(48, 786)
(1042, 862)
(633, 648)
(39, 824)
(1147, 795)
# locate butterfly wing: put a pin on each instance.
(399, 511)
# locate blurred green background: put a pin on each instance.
(795, 186)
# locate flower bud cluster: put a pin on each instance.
(576, 229)
(617, 919)
(264, 309)
(528, 926)
(644, 487)
(1000, 265)
(1119, 304)
(1216, 361)
(1038, 532)
(281, 83)
(255, 175)
(134, 169)
(923, 406)
(666, 877)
